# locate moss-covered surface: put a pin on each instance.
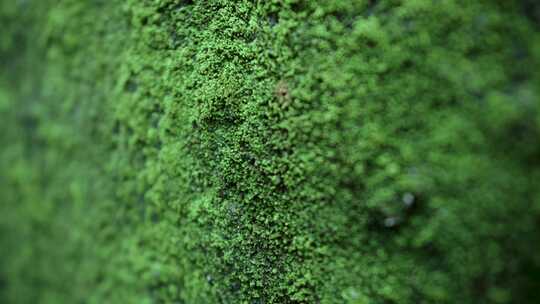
(293, 151)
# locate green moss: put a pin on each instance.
(173, 151)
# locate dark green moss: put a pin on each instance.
(169, 151)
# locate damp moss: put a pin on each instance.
(174, 151)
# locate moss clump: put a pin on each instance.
(173, 151)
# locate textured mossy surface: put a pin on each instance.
(294, 151)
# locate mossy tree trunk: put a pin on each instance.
(293, 151)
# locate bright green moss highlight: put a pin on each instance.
(295, 151)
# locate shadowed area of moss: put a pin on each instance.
(174, 151)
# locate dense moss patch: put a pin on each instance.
(173, 151)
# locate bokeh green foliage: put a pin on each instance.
(293, 151)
